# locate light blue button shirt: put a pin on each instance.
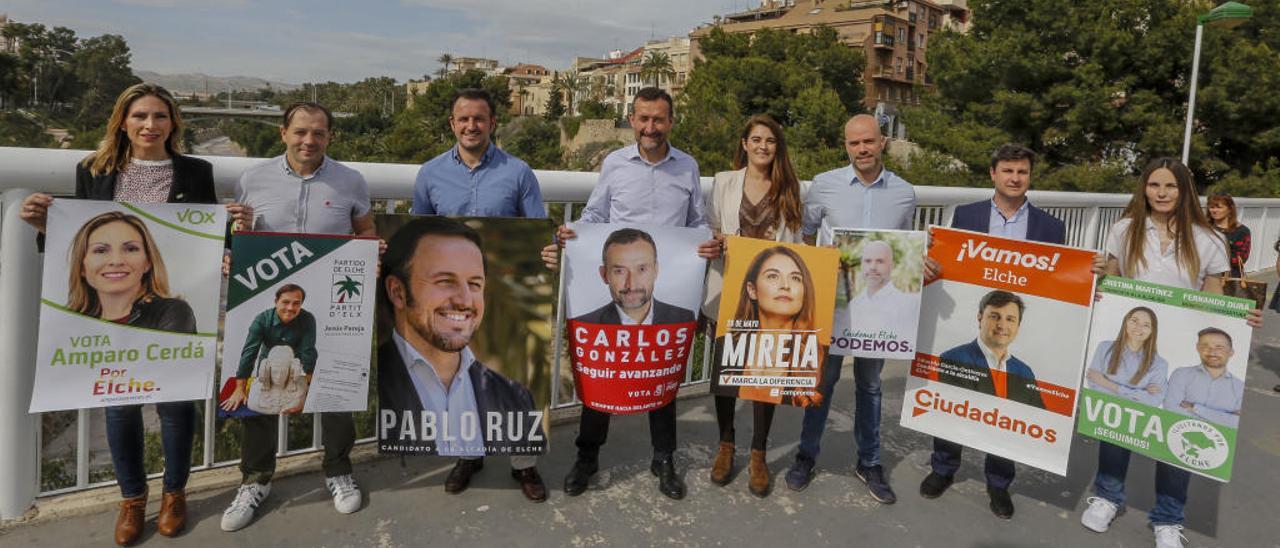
(1215, 400)
(450, 405)
(632, 190)
(1130, 361)
(1014, 227)
(500, 186)
(839, 199)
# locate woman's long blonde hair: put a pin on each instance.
(84, 299)
(114, 150)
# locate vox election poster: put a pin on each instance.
(878, 292)
(774, 325)
(1165, 374)
(299, 325)
(129, 304)
(633, 296)
(1001, 346)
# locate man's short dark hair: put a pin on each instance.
(654, 94)
(308, 106)
(396, 261)
(624, 236)
(290, 288)
(474, 94)
(999, 299)
(1215, 331)
(1013, 152)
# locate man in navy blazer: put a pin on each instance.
(999, 317)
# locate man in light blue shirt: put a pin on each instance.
(475, 178)
(1208, 390)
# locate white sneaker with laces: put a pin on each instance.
(247, 500)
(1169, 536)
(1099, 515)
(346, 495)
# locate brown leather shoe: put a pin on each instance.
(173, 513)
(460, 477)
(530, 483)
(722, 468)
(129, 521)
(759, 479)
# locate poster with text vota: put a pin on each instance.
(878, 292)
(632, 301)
(1001, 346)
(774, 324)
(1164, 376)
(299, 326)
(129, 304)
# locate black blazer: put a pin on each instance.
(1041, 226)
(662, 313)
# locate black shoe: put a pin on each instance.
(1276, 388)
(935, 484)
(873, 476)
(460, 477)
(1001, 504)
(530, 483)
(579, 476)
(669, 482)
(800, 474)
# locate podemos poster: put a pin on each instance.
(1001, 346)
(129, 304)
(1165, 375)
(878, 292)
(774, 326)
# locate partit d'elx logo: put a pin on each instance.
(347, 289)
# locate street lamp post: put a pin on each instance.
(1227, 15)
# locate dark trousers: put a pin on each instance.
(946, 461)
(258, 445)
(125, 438)
(593, 430)
(761, 418)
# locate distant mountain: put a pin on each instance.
(198, 83)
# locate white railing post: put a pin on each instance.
(1092, 227)
(19, 291)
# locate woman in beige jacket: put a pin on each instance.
(761, 199)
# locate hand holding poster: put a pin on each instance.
(1165, 374)
(878, 294)
(774, 321)
(299, 325)
(129, 304)
(633, 290)
(1001, 346)
(467, 304)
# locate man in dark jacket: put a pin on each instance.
(629, 267)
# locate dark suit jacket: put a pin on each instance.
(969, 356)
(662, 313)
(1041, 226)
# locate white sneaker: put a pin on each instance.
(1169, 536)
(240, 513)
(346, 495)
(1099, 515)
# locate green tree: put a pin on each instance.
(656, 66)
(570, 86)
(102, 69)
(445, 59)
(536, 141)
(555, 103)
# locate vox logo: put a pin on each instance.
(195, 217)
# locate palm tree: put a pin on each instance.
(571, 85)
(656, 65)
(446, 60)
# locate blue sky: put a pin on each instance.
(321, 40)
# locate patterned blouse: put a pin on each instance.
(145, 181)
(1238, 245)
(758, 220)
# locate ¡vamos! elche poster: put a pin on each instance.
(1165, 374)
(1001, 346)
(129, 304)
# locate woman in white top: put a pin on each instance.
(761, 199)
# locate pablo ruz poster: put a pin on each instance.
(299, 325)
(129, 304)
(633, 293)
(774, 322)
(878, 292)
(465, 303)
(1165, 374)
(1001, 346)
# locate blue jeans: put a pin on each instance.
(866, 410)
(1171, 484)
(125, 438)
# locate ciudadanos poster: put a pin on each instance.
(1001, 347)
(633, 296)
(465, 336)
(774, 326)
(299, 327)
(1165, 374)
(129, 304)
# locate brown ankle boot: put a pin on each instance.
(129, 521)
(173, 513)
(723, 465)
(758, 472)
